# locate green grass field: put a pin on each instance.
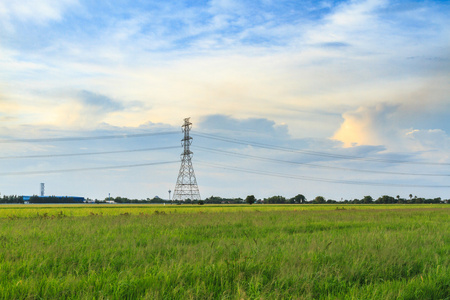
(73, 210)
(225, 252)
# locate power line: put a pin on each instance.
(312, 165)
(307, 178)
(87, 138)
(87, 153)
(315, 153)
(86, 169)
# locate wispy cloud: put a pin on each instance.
(244, 127)
(100, 102)
(15, 13)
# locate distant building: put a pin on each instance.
(52, 199)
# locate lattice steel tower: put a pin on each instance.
(186, 187)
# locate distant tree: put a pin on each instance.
(156, 200)
(437, 200)
(367, 199)
(275, 200)
(299, 199)
(417, 200)
(200, 202)
(385, 200)
(250, 199)
(319, 200)
(119, 199)
(11, 199)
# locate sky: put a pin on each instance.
(340, 99)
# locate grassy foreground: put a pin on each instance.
(259, 253)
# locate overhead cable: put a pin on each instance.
(87, 169)
(88, 138)
(311, 165)
(87, 153)
(307, 178)
(315, 153)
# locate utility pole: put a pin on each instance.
(186, 187)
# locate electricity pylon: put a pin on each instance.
(186, 187)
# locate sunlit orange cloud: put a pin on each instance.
(381, 125)
(364, 126)
(354, 132)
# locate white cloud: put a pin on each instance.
(392, 126)
(424, 140)
(38, 12)
(356, 13)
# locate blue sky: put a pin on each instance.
(353, 78)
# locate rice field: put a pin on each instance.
(225, 252)
(78, 210)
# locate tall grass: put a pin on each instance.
(250, 254)
(33, 210)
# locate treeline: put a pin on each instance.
(157, 200)
(52, 199)
(11, 199)
(219, 200)
(300, 199)
(36, 199)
